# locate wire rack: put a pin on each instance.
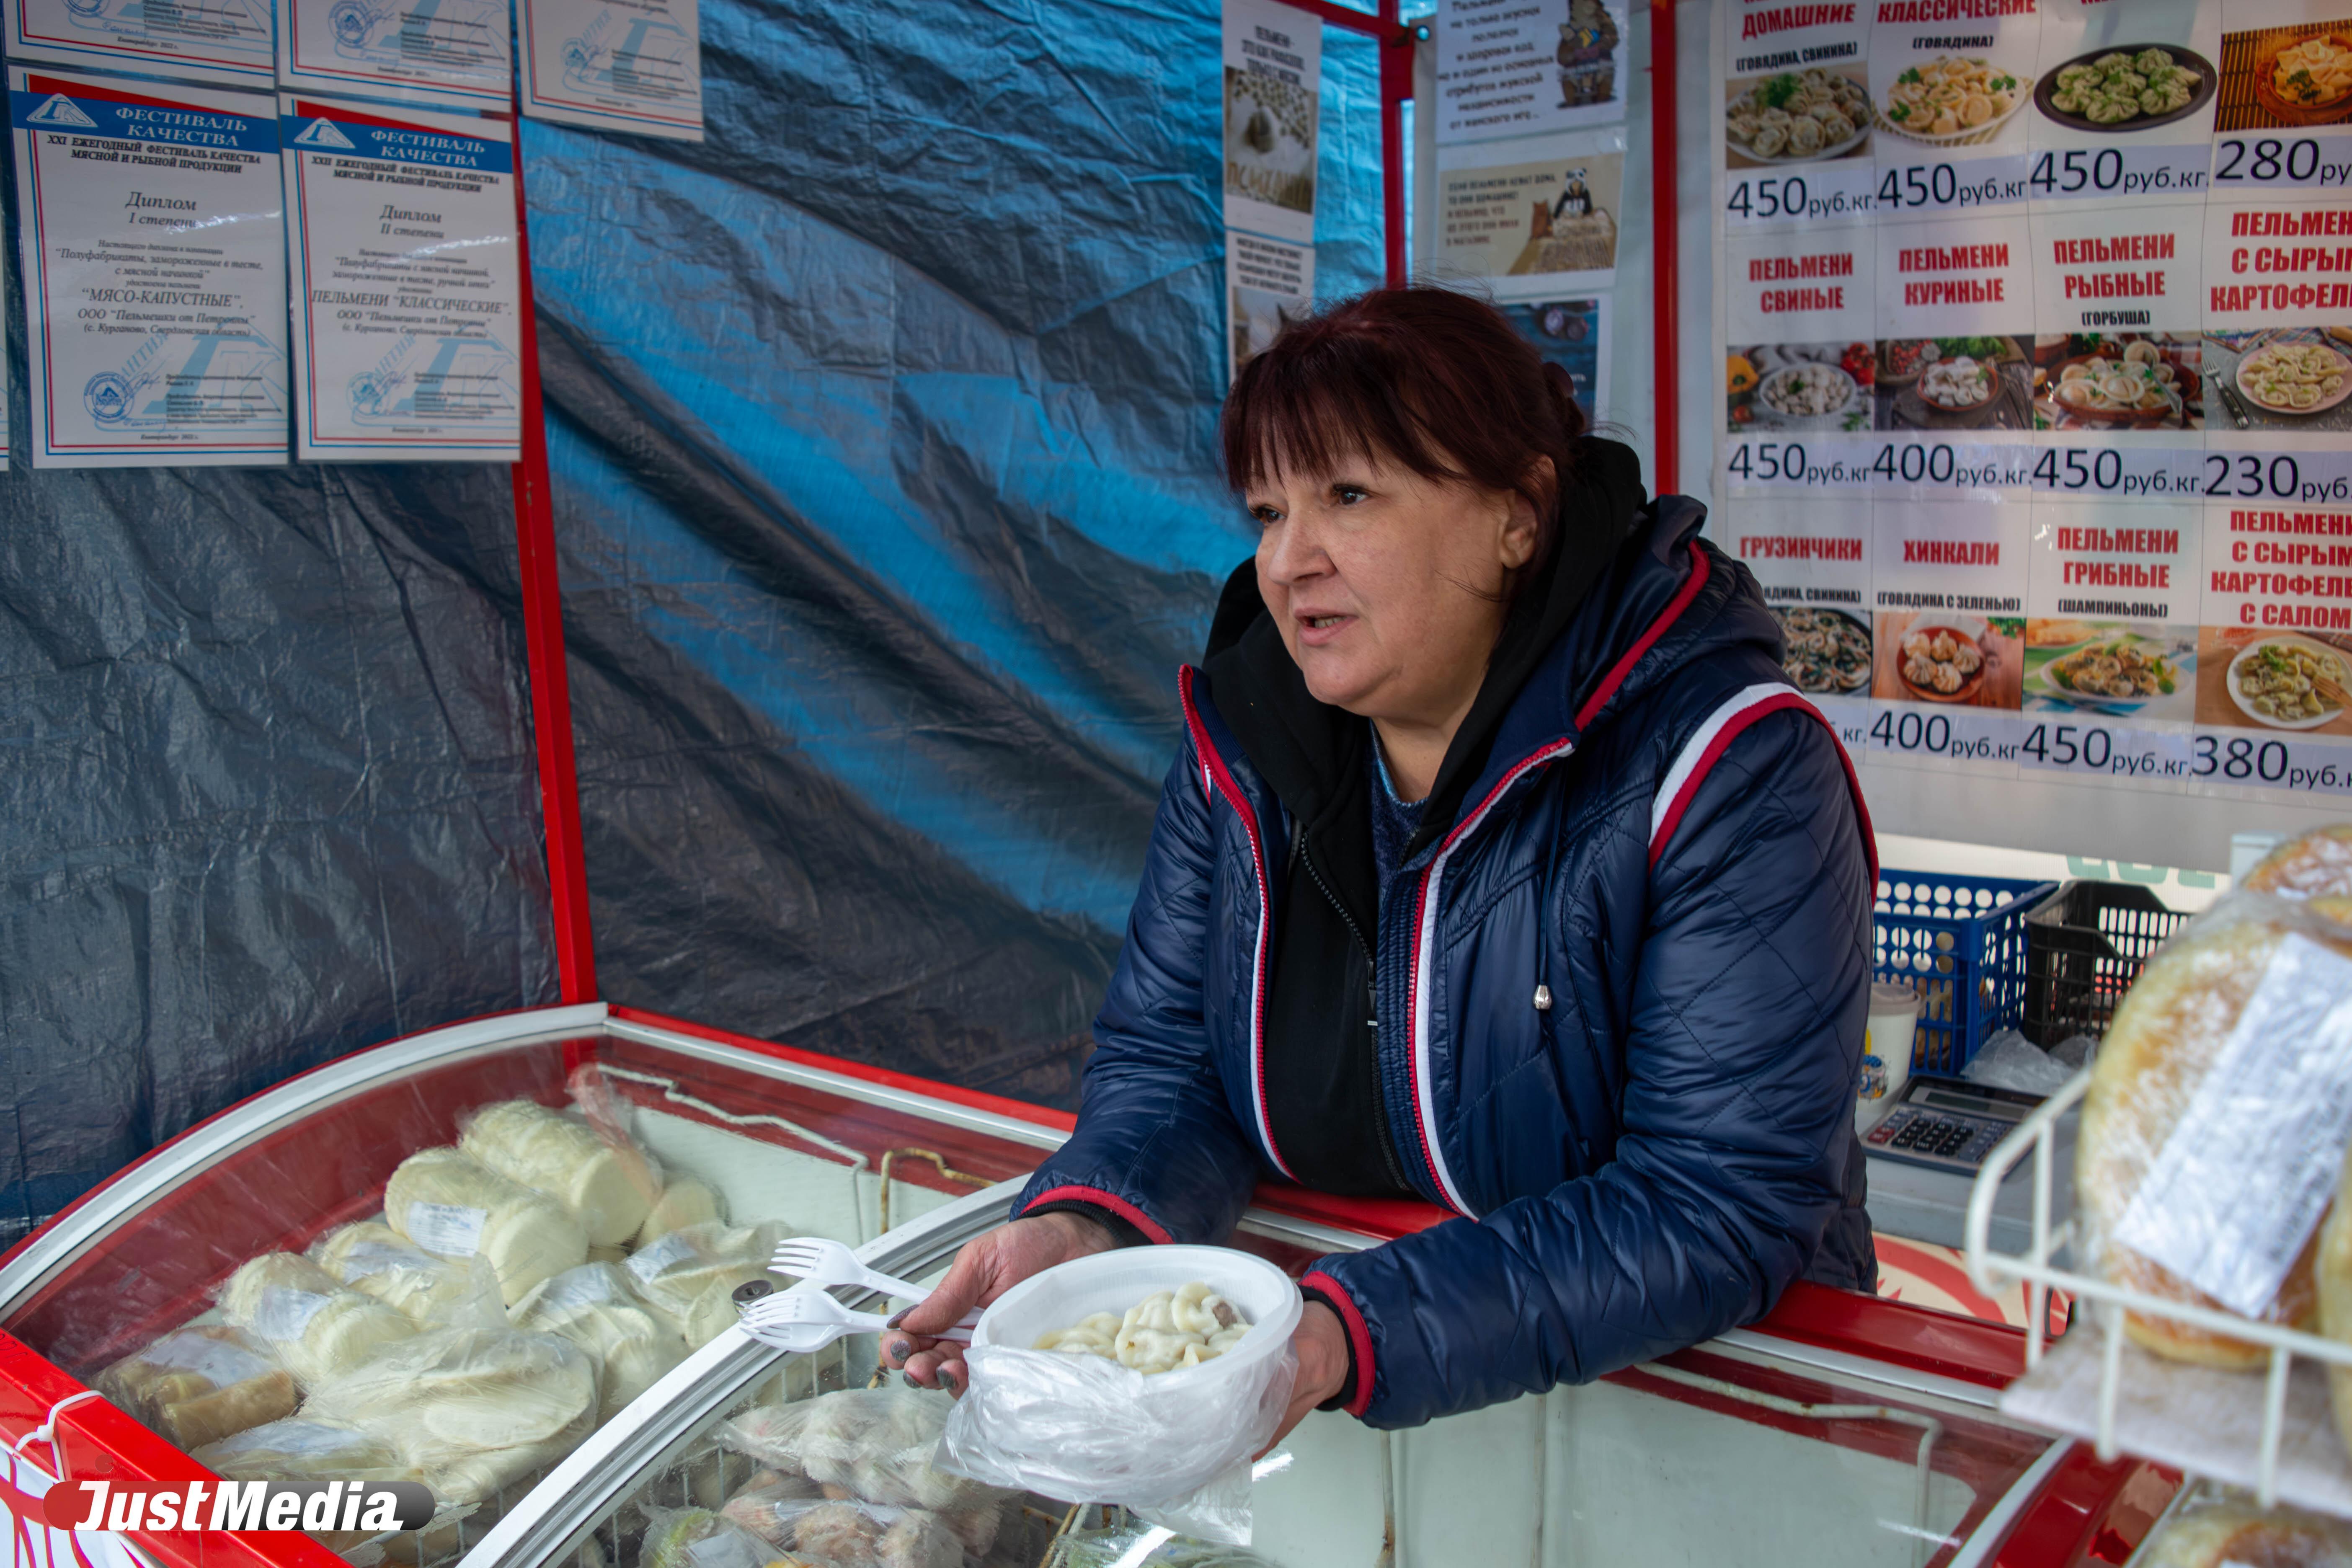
(2270, 1431)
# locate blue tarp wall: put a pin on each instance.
(881, 431)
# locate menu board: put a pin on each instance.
(2035, 321)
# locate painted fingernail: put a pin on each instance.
(948, 1382)
(910, 1379)
(898, 1318)
(900, 1350)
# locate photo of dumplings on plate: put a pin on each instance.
(1951, 100)
(2274, 679)
(2285, 378)
(2135, 381)
(2289, 76)
(1950, 659)
(1806, 116)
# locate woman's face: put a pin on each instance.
(1388, 586)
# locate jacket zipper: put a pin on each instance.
(1372, 1002)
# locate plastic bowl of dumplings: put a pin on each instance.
(1068, 1293)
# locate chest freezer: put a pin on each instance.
(1841, 1430)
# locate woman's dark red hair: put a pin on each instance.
(1433, 379)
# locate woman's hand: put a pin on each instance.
(1321, 1343)
(986, 1268)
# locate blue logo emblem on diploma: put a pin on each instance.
(61, 110)
(107, 397)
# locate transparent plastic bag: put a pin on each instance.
(691, 1274)
(697, 1538)
(870, 1445)
(2213, 1134)
(598, 1173)
(684, 1202)
(301, 1449)
(2008, 1060)
(595, 1308)
(847, 1533)
(316, 1328)
(1148, 1546)
(472, 1410)
(2222, 1527)
(1088, 1430)
(453, 1205)
(375, 1259)
(201, 1384)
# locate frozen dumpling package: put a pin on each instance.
(472, 1410)
(301, 1449)
(201, 1384)
(697, 1538)
(317, 1329)
(684, 1201)
(872, 1443)
(691, 1274)
(443, 1292)
(594, 1307)
(453, 1205)
(605, 1181)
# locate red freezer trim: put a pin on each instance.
(2079, 1508)
(1360, 1338)
(1019, 1111)
(1991, 1355)
(95, 1441)
(1647, 640)
(1111, 1201)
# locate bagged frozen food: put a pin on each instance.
(595, 1308)
(2221, 1527)
(685, 1200)
(697, 1538)
(316, 1328)
(1134, 1546)
(871, 1444)
(451, 1203)
(2215, 1123)
(472, 1410)
(607, 1182)
(373, 1257)
(201, 1384)
(2315, 866)
(691, 1274)
(301, 1449)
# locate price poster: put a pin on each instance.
(2035, 321)
(617, 65)
(229, 42)
(400, 239)
(455, 53)
(154, 265)
(1273, 87)
(1268, 285)
(1517, 67)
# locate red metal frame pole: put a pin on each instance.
(1396, 87)
(543, 626)
(1666, 303)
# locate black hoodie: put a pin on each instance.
(1322, 1083)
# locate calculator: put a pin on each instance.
(1946, 1124)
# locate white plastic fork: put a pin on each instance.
(807, 1319)
(820, 1261)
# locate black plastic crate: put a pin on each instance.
(2084, 945)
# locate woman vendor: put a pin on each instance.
(1500, 867)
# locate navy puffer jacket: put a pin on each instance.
(1618, 1006)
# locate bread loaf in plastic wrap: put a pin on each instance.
(596, 1308)
(453, 1205)
(473, 1410)
(607, 1182)
(315, 1327)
